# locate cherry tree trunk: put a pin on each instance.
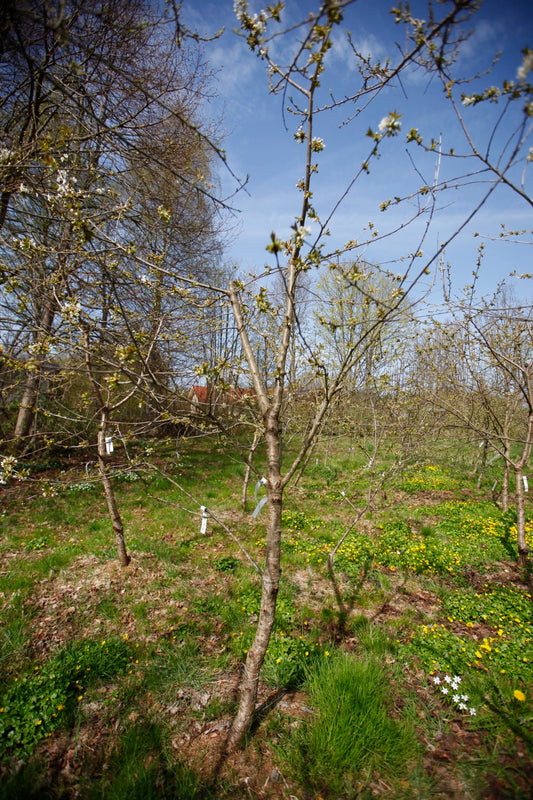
(27, 405)
(114, 513)
(33, 379)
(269, 587)
(506, 475)
(256, 654)
(523, 549)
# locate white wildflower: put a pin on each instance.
(436, 680)
(472, 712)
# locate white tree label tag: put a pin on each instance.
(203, 527)
(109, 445)
(260, 503)
(526, 485)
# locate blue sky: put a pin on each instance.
(259, 145)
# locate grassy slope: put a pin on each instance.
(424, 587)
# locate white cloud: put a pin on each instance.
(235, 66)
(367, 45)
(486, 37)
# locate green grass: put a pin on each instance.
(142, 766)
(353, 734)
(423, 587)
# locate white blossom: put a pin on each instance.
(7, 468)
(390, 125)
(301, 232)
(71, 309)
(317, 144)
(526, 66)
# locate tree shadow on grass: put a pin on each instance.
(346, 601)
(141, 766)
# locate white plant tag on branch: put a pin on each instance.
(526, 485)
(260, 503)
(203, 527)
(109, 445)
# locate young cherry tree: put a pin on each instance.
(489, 388)
(502, 335)
(431, 45)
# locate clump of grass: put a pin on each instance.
(352, 734)
(226, 563)
(41, 701)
